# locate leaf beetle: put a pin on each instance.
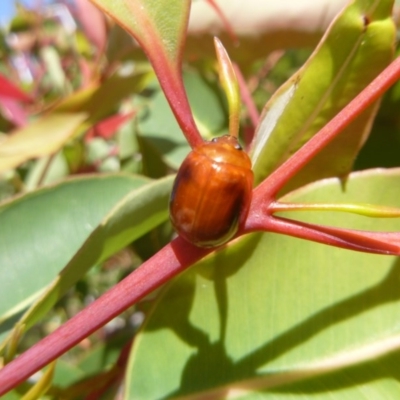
(212, 192)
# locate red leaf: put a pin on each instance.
(93, 23)
(108, 126)
(8, 89)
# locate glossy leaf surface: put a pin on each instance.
(269, 309)
(337, 71)
(160, 131)
(160, 29)
(134, 214)
(42, 231)
(42, 137)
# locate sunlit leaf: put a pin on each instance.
(271, 310)
(41, 231)
(142, 209)
(160, 29)
(337, 71)
(160, 131)
(40, 138)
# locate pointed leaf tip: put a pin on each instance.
(230, 85)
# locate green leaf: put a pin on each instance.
(12, 395)
(42, 230)
(40, 138)
(208, 104)
(54, 168)
(336, 72)
(382, 148)
(52, 62)
(160, 28)
(270, 310)
(101, 99)
(101, 356)
(66, 374)
(229, 83)
(160, 133)
(142, 209)
(161, 24)
(43, 384)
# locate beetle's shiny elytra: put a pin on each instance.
(212, 192)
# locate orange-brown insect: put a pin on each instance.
(212, 192)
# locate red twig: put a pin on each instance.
(387, 243)
(270, 187)
(178, 255)
(167, 69)
(168, 262)
(225, 21)
(119, 369)
(246, 97)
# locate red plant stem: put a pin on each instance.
(178, 255)
(261, 209)
(119, 368)
(387, 243)
(270, 187)
(179, 103)
(228, 26)
(246, 97)
(169, 75)
(168, 70)
(168, 262)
